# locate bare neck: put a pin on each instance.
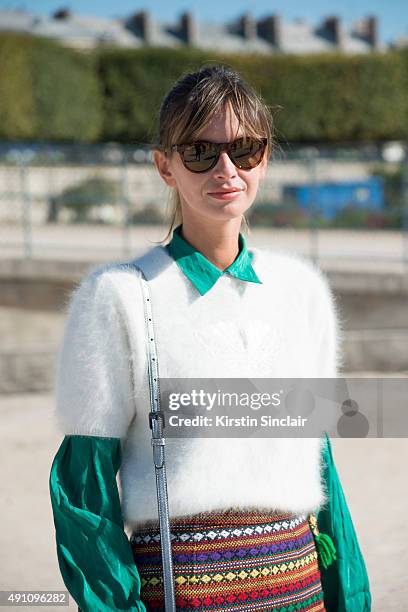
(219, 244)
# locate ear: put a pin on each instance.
(162, 163)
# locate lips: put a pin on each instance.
(221, 191)
(226, 196)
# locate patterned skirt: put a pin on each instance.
(233, 561)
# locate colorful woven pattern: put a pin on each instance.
(233, 561)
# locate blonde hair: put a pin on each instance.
(192, 102)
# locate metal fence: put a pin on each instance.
(334, 204)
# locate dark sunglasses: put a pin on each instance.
(201, 156)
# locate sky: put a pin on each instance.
(392, 14)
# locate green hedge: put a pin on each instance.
(315, 98)
(16, 90)
(133, 85)
(48, 92)
(334, 98)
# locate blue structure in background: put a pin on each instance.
(328, 199)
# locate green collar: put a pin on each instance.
(200, 271)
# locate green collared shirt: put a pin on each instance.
(201, 272)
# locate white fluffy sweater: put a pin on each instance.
(285, 327)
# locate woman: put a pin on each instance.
(245, 513)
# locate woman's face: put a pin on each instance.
(198, 190)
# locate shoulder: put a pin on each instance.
(290, 269)
(116, 285)
(105, 284)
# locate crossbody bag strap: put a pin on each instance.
(156, 423)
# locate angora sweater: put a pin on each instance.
(281, 322)
(269, 314)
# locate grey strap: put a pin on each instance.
(156, 422)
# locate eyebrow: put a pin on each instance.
(201, 139)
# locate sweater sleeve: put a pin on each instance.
(94, 407)
(94, 384)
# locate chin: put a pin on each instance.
(234, 210)
(237, 206)
(228, 212)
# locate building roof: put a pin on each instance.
(246, 35)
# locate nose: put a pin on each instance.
(224, 167)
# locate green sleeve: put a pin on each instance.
(94, 553)
(345, 583)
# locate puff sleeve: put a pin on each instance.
(94, 391)
(345, 582)
(94, 406)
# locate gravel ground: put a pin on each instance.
(372, 473)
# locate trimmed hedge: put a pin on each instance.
(49, 92)
(319, 98)
(134, 84)
(16, 90)
(334, 98)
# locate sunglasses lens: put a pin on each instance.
(199, 157)
(246, 153)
